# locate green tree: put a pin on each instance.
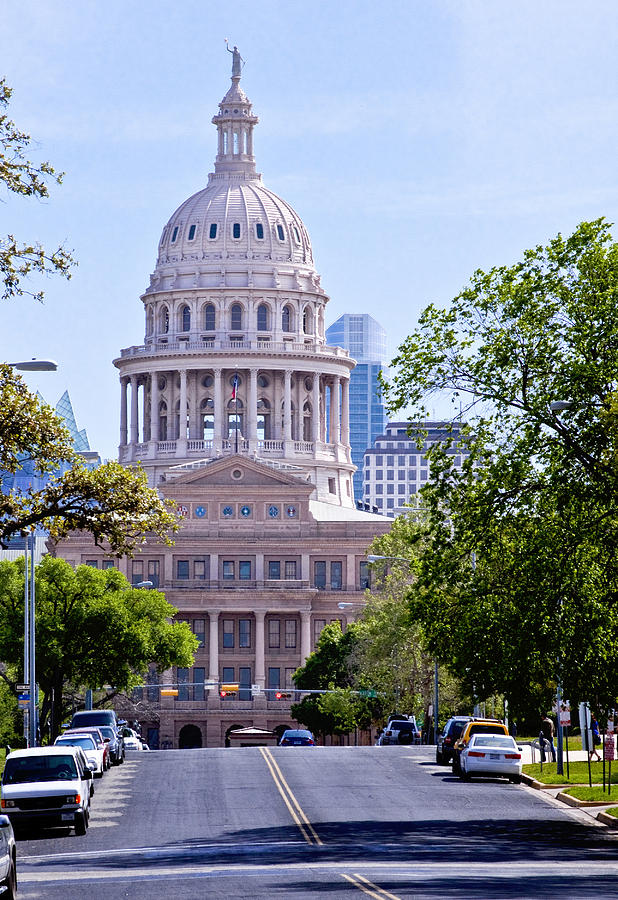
(93, 629)
(518, 577)
(21, 176)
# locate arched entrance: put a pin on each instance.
(190, 737)
(227, 733)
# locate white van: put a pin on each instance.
(47, 786)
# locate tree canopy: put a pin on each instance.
(28, 179)
(518, 579)
(93, 630)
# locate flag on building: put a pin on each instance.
(234, 386)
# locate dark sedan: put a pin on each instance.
(296, 737)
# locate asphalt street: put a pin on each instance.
(384, 822)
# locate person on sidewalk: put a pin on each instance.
(596, 738)
(548, 730)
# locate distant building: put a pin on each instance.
(365, 339)
(396, 467)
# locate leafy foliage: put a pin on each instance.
(28, 179)
(518, 577)
(93, 629)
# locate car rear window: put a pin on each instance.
(22, 770)
(86, 743)
(493, 740)
(456, 728)
(403, 726)
(486, 729)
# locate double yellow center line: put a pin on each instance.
(306, 828)
(308, 831)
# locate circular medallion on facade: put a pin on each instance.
(291, 512)
(200, 512)
(237, 474)
(273, 512)
(228, 511)
(245, 511)
(182, 510)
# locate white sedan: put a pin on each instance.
(132, 741)
(491, 755)
(93, 753)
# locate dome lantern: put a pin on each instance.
(235, 123)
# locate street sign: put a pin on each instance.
(23, 701)
(610, 726)
(256, 689)
(564, 713)
(369, 693)
(20, 688)
(609, 748)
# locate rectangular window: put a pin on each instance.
(390, 488)
(379, 460)
(199, 677)
(319, 573)
(331, 486)
(199, 570)
(107, 564)
(153, 572)
(182, 676)
(379, 488)
(228, 570)
(93, 563)
(290, 634)
(212, 232)
(390, 474)
(290, 568)
(244, 683)
(244, 633)
(274, 680)
(401, 489)
(390, 460)
(199, 631)
(236, 230)
(364, 576)
(137, 571)
(336, 576)
(274, 633)
(274, 569)
(182, 568)
(228, 633)
(379, 474)
(259, 231)
(244, 570)
(228, 678)
(318, 625)
(289, 681)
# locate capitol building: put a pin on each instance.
(238, 411)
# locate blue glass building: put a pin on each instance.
(365, 339)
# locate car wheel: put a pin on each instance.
(516, 779)
(121, 760)
(465, 776)
(456, 765)
(81, 824)
(439, 759)
(10, 882)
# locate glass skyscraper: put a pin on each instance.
(365, 339)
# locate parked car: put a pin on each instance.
(131, 740)
(493, 755)
(92, 751)
(448, 736)
(400, 730)
(476, 726)
(115, 742)
(296, 737)
(94, 717)
(8, 860)
(47, 786)
(100, 741)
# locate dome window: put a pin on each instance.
(262, 317)
(174, 234)
(212, 233)
(236, 230)
(236, 317)
(209, 316)
(280, 233)
(186, 319)
(296, 235)
(259, 231)
(192, 232)
(286, 319)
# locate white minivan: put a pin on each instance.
(47, 786)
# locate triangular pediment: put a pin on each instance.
(234, 470)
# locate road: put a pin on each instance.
(382, 822)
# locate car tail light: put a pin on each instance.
(448, 740)
(285, 741)
(388, 732)
(512, 755)
(475, 753)
(73, 798)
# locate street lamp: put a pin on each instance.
(31, 365)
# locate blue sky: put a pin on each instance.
(418, 141)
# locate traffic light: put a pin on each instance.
(228, 689)
(283, 695)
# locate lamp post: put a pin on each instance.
(372, 558)
(30, 725)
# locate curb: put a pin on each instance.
(541, 786)
(573, 801)
(604, 817)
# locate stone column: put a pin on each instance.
(345, 412)
(336, 404)
(260, 672)
(305, 635)
(213, 646)
(123, 412)
(287, 406)
(134, 410)
(315, 403)
(275, 430)
(252, 410)
(331, 413)
(219, 410)
(154, 407)
(181, 447)
(194, 408)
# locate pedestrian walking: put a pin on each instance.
(548, 730)
(596, 738)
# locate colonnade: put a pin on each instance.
(293, 412)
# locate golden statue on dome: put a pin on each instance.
(237, 60)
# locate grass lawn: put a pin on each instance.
(612, 811)
(594, 793)
(578, 772)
